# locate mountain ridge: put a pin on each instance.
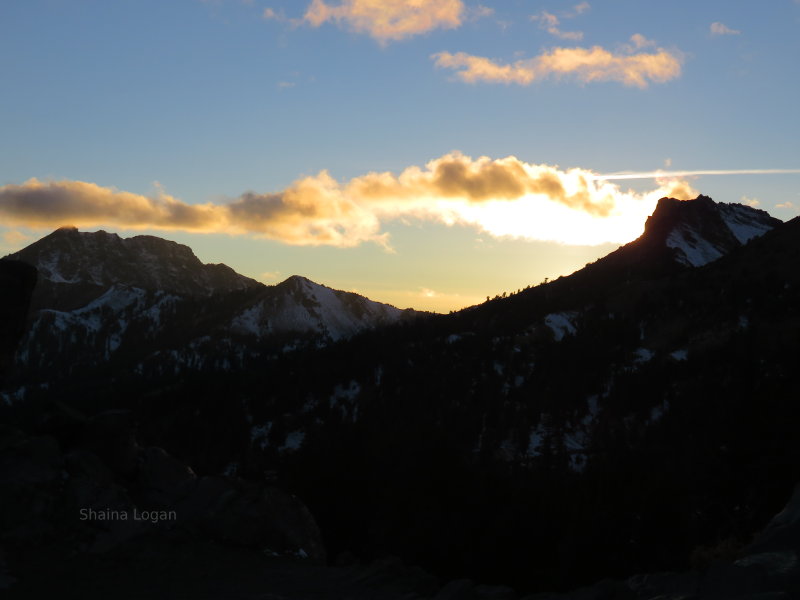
(107, 300)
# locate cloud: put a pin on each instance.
(268, 276)
(718, 28)
(585, 65)
(15, 238)
(581, 8)
(754, 202)
(788, 205)
(549, 22)
(638, 42)
(501, 197)
(389, 20)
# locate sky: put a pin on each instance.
(424, 153)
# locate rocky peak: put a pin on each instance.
(68, 256)
(700, 231)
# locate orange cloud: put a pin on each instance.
(583, 64)
(502, 197)
(550, 23)
(388, 20)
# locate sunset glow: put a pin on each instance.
(427, 153)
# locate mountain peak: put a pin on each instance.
(700, 231)
(100, 258)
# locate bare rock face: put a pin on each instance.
(68, 258)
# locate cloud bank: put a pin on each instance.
(503, 197)
(388, 20)
(586, 65)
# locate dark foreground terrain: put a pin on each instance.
(637, 417)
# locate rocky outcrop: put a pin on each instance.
(96, 490)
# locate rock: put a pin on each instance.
(31, 475)
(163, 477)
(652, 585)
(391, 572)
(251, 514)
(783, 531)
(458, 589)
(30, 459)
(110, 435)
(495, 592)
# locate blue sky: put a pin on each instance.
(203, 101)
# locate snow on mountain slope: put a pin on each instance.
(102, 259)
(745, 222)
(99, 294)
(693, 249)
(701, 231)
(301, 305)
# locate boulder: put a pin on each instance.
(111, 436)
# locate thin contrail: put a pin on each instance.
(657, 174)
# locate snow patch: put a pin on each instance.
(535, 441)
(560, 324)
(259, 434)
(681, 354)
(249, 321)
(294, 440)
(742, 222)
(693, 250)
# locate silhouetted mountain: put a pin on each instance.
(147, 305)
(76, 267)
(636, 416)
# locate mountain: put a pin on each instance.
(147, 304)
(636, 416)
(701, 231)
(74, 266)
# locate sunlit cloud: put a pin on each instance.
(500, 197)
(586, 65)
(788, 205)
(638, 41)
(15, 239)
(718, 28)
(270, 276)
(550, 23)
(754, 202)
(389, 20)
